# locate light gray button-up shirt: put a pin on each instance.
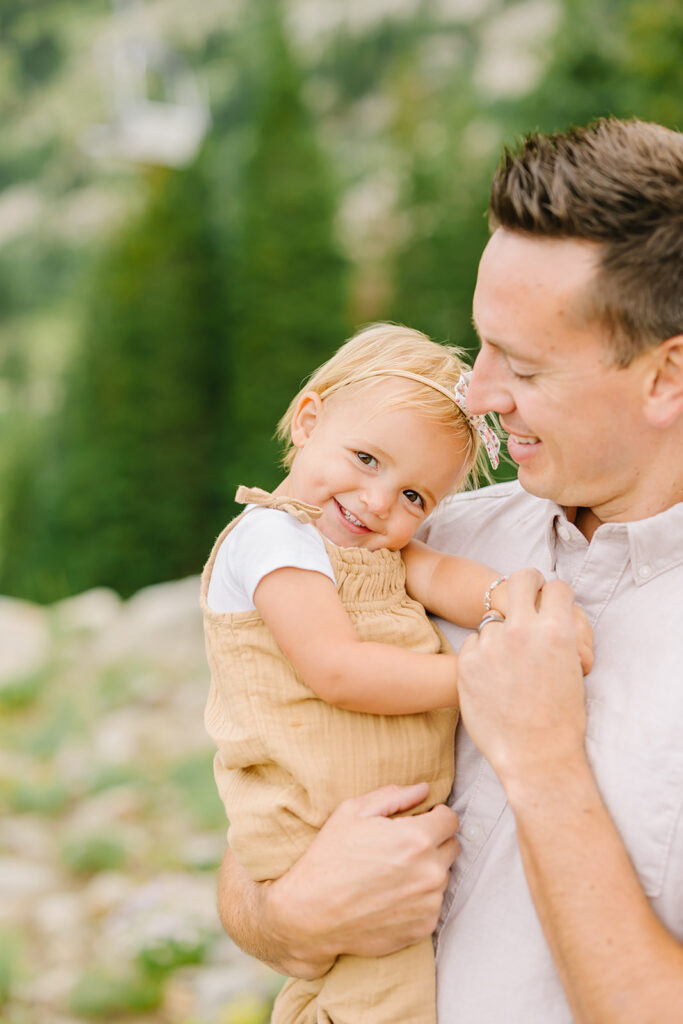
(493, 964)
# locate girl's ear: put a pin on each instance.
(305, 418)
(664, 400)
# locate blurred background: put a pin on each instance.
(198, 204)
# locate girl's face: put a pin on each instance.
(375, 472)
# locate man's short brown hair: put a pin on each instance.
(619, 183)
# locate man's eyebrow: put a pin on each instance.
(503, 347)
(489, 341)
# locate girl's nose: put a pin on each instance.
(377, 500)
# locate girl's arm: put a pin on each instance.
(310, 624)
(454, 588)
(451, 587)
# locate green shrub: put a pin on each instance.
(99, 994)
(31, 798)
(17, 694)
(10, 945)
(194, 778)
(246, 1009)
(88, 854)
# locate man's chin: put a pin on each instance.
(536, 484)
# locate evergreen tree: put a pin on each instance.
(292, 309)
(127, 490)
(445, 196)
(613, 57)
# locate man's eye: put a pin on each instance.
(521, 376)
(367, 460)
(415, 498)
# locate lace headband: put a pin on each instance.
(458, 395)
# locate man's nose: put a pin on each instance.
(487, 392)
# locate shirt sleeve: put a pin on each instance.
(263, 541)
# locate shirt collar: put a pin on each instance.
(655, 544)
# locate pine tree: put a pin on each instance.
(291, 311)
(127, 490)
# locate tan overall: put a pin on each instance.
(286, 759)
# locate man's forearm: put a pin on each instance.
(617, 962)
(370, 883)
(522, 700)
(249, 913)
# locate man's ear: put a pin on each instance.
(664, 397)
(305, 418)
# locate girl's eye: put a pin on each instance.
(367, 460)
(415, 498)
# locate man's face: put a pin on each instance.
(573, 418)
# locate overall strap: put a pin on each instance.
(302, 512)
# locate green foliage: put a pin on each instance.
(194, 778)
(616, 57)
(29, 798)
(110, 776)
(169, 954)
(291, 313)
(94, 852)
(55, 727)
(246, 1009)
(126, 493)
(178, 383)
(10, 952)
(17, 694)
(99, 994)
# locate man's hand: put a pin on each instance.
(369, 884)
(521, 691)
(500, 602)
(584, 639)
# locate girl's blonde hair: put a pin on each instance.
(390, 349)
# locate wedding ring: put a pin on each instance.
(492, 616)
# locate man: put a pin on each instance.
(565, 899)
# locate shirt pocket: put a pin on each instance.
(641, 782)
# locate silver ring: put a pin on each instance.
(492, 616)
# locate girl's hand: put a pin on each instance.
(500, 600)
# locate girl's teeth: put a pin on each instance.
(351, 519)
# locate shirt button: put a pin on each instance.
(563, 532)
(471, 831)
(645, 571)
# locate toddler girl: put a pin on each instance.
(328, 680)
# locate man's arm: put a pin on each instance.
(369, 884)
(523, 704)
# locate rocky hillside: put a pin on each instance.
(111, 830)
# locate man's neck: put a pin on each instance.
(585, 520)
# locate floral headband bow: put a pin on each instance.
(488, 436)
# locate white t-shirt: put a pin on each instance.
(264, 540)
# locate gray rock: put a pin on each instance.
(24, 640)
(161, 623)
(88, 612)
